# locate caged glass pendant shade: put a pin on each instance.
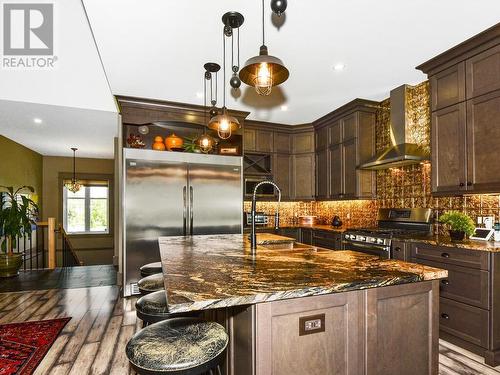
(224, 124)
(73, 185)
(263, 72)
(205, 143)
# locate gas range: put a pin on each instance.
(391, 222)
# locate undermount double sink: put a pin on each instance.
(275, 242)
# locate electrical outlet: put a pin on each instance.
(479, 220)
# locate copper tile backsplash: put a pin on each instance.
(408, 186)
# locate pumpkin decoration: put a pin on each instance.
(173, 142)
(158, 144)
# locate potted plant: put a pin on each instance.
(17, 213)
(459, 224)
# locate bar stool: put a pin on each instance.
(151, 283)
(153, 308)
(179, 346)
(150, 269)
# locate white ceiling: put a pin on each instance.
(74, 100)
(157, 48)
(91, 131)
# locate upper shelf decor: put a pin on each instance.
(265, 71)
(73, 185)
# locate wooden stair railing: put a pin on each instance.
(69, 256)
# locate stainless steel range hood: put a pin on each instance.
(401, 152)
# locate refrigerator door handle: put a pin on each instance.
(191, 210)
(184, 213)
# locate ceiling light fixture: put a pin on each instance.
(339, 67)
(73, 185)
(265, 71)
(284, 108)
(37, 120)
(205, 142)
(199, 95)
(224, 123)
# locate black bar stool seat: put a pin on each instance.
(179, 346)
(150, 269)
(150, 284)
(153, 308)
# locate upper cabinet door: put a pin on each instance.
(349, 128)
(336, 171)
(264, 141)
(483, 73)
(282, 143)
(282, 173)
(322, 180)
(349, 169)
(303, 170)
(483, 143)
(249, 139)
(322, 138)
(336, 133)
(448, 87)
(303, 142)
(448, 149)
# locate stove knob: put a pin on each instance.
(353, 237)
(361, 238)
(371, 239)
(380, 241)
(346, 236)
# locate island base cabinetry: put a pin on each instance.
(386, 330)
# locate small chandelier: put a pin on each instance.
(205, 142)
(265, 71)
(224, 123)
(74, 186)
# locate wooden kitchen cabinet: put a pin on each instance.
(483, 139)
(258, 140)
(282, 143)
(249, 139)
(400, 251)
(448, 87)
(303, 142)
(483, 72)
(448, 149)
(465, 93)
(352, 134)
(303, 180)
(282, 173)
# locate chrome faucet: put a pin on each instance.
(253, 235)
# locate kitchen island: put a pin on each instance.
(301, 309)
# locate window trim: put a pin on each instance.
(111, 202)
(87, 203)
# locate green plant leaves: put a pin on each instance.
(458, 221)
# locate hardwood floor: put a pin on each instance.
(61, 278)
(93, 341)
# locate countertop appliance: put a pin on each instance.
(391, 222)
(260, 218)
(175, 194)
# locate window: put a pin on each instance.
(87, 210)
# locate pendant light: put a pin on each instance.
(205, 142)
(73, 185)
(265, 71)
(223, 123)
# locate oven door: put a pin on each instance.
(379, 250)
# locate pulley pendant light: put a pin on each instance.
(205, 142)
(223, 123)
(73, 185)
(265, 71)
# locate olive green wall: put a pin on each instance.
(90, 248)
(20, 166)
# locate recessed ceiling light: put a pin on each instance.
(339, 67)
(199, 95)
(37, 120)
(284, 107)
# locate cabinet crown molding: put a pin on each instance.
(356, 105)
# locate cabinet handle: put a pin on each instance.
(445, 282)
(397, 249)
(445, 316)
(462, 184)
(445, 255)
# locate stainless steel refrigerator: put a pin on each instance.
(175, 194)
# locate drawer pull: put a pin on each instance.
(445, 255)
(445, 316)
(445, 282)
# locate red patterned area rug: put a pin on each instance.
(23, 345)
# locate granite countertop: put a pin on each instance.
(443, 240)
(216, 271)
